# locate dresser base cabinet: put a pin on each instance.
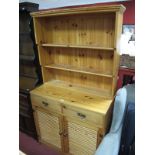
(67, 125)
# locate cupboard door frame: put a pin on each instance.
(65, 135)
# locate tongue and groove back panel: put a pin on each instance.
(90, 29)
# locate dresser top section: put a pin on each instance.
(73, 95)
(79, 10)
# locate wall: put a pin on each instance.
(129, 14)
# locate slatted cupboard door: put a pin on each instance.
(49, 126)
(82, 140)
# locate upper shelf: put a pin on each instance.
(79, 46)
(78, 70)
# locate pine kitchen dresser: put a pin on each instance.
(79, 56)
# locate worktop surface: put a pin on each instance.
(92, 100)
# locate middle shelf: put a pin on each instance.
(79, 46)
(78, 70)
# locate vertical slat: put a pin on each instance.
(38, 30)
(35, 29)
(118, 30)
(65, 136)
(61, 128)
(100, 135)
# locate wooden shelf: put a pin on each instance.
(79, 46)
(78, 70)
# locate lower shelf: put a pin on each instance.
(76, 87)
(79, 70)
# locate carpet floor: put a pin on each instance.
(30, 146)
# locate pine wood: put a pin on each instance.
(79, 10)
(82, 140)
(100, 134)
(44, 102)
(74, 32)
(77, 70)
(83, 115)
(83, 80)
(78, 51)
(81, 98)
(77, 46)
(49, 126)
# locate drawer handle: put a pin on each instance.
(82, 116)
(45, 103)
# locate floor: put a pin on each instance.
(30, 146)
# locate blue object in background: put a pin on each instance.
(110, 145)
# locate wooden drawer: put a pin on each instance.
(45, 103)
(83, 115)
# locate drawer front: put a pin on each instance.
(83, 115)
(45, 103)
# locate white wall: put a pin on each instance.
(45, 4)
